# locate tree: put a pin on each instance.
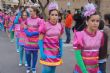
(19, 2)
(97, 2)
(43, 7)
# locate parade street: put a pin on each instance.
(9, 58)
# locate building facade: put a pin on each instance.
(76, 4)
(68, 4)
(105, 6)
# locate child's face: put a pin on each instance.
(54, 16)
(93, 22)
(24, 15)
(32, 12)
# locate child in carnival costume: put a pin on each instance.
(32, 27)
(6, 22)
(22, 36)
(16, 27)
(87, 54)
(50, 41)
(1, 21)
(11, 22)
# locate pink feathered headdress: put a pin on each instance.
(53, 5)
(89, 9)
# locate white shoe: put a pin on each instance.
(17, 51)
(27, 71)
(33, 71)
(26, 65)
(12, 41)
(20, 64)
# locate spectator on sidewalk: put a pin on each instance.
(68, 25)
(103, 54)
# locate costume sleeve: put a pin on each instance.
(16, 20)
(79, 60)
(30, 34)
(41, 26)
(40, 44)
(77, 45)
(77, 41)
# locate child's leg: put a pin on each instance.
(102, 67)
(46, 69)
(53, 68)
(5, 29)
(7, 32)
(25, 61)
(12, 36)
(21, 55)
(28, 59)
(34, 61)
(1, 27)
(17, 44)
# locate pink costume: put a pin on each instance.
(22, 34)
(11, 21)
(89, 45)
(33, 25)
(17, 30)
(51, 43)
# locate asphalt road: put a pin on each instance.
(9, 58)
